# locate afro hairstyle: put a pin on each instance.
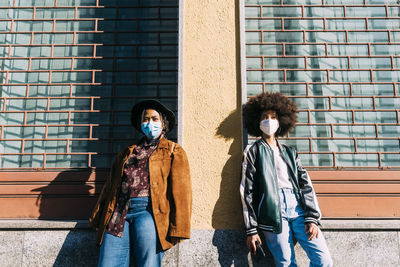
(285, 108)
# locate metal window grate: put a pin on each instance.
(70, 72)
(340, 62)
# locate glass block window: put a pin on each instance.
(70, 72)
(339, 61)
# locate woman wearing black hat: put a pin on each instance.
(145, 204)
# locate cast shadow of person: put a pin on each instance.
(229, 236)
(67, 199)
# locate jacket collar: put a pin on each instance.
(162, 144)
(269, 147)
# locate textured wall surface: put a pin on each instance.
(211, 111)
(206, 248)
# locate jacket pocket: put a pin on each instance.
(164, 206)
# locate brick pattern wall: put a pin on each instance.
(340, 62)
(70, 72)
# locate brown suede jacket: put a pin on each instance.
(170, 190)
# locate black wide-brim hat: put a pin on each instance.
(136, 113)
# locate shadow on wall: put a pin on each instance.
(77, 247)
(66, 197)
(227, 213)
(229, 236)
(138, 60)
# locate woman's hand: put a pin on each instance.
(251, 243)
(312, 230)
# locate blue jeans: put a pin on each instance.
(140, 236)
(293, 226)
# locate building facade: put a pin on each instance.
(72, 69)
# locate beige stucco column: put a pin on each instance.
(211, 101)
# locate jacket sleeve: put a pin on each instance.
(247, 190)
(309, 198)
(105, 191)
(181, 188)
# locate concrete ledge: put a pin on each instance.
(43, 224)
(77, 247)
(361, 224)
(327, 224)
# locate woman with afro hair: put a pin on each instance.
(277, 194)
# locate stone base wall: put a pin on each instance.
(60, 246)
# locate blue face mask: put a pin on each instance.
(152, 129)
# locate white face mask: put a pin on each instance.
(269, 126)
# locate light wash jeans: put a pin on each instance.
(140, 236)
(293, 226)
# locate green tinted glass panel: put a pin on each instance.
(370, 160)
(287, 89)
(252, 12)
(375, 117)
(386, 76)
(329, 89)
(253, 37)
(389, 131)
(306, 76)
(343, 50)
(52, 64)
(366, 11)
(390, 160)
(284, 37)
(45, 146)
(373, 89)
(311, 103)
(354, 131)
(385, 49)
(352, 103)
(264, 50)
(324, 12)
(367, 145)
(66, 161)
(47, 13)
(311, 131)
(326, 37)
(387, 103)
(327, 63)
(384, 24)
(24, 132)
(284, 63)
(309, 24)
(333, 145)
(366, 37)
(53, 38)
(265, 24)
(282, 12)
(349, 76)
(375, 62)
(292, 49)
(299, 145)
(345, 24)
(316, 159)
(331, 117)
(254, 63)
(344, 2)
(10, 146)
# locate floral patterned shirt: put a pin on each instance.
(135, 183)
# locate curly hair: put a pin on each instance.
(285, 108)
